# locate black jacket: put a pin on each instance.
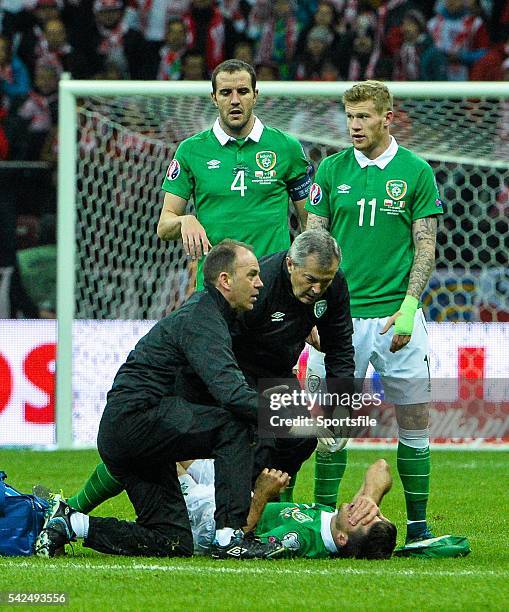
(191, 347)
(268, 340)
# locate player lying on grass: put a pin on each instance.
(314, 531)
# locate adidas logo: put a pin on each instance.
(344, 188)
(213, 164)
(277, 316)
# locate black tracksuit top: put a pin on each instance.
(183, 352)
(268, 340)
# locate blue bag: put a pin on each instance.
(21, 520)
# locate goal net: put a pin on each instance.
(112, 266)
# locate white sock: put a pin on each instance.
(79, 524)
(186, 483)
(224, 535)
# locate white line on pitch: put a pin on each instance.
(269, 568)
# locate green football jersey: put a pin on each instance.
(299, 527)
(370, 212)
(240, 187)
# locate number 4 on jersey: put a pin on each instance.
(238, 183)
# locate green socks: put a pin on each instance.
(329, 470)
(414, 468)
(100, 486)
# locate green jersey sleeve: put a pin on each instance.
(298, 542)
(427, 199)
(318, 201)
(179, 178)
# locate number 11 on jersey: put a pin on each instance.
(238, 183)
(361, 204)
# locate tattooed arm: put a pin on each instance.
(317, 222)
(424, 232)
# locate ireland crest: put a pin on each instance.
(266, 160)
(396, 189)
(320, 308)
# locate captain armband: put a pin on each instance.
(299, 187)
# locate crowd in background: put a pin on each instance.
(185, 39)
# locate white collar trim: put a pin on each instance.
(326, 531)
(255, 134)
(382, 160)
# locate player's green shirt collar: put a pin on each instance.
(326, 531)
(382, 160)
(255, 134)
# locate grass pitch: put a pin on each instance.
(470, 496)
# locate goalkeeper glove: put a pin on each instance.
(404, 324)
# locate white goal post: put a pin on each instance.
(463, 128)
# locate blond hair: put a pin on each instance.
(376, 91)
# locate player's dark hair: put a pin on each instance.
(314, 242)
(377, 543)
(221, 258)
(231, 66)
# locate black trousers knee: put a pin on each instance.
(140, 445)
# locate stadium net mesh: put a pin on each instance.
(125, 144)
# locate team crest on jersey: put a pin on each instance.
(313, 383)
(173, 170)
(266, 160)
(315, 194)
(291, 541)
(396, 189)
(294, 513)
(320, 308)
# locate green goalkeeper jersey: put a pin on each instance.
(241, 187)
(304, 529)
(371, 205)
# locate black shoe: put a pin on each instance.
(247, 546)
(57, 530)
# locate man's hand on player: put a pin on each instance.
(194, 237)
(362, 510)
(314, 339)
(270, 483)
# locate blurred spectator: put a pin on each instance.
(244, 51)
(278, 37)
(170, 66)
(463, 37)
(14, 78)
(53, 46)
(418, 59)
(268, 71)
(206, 31)
(39, 111)
(325, 16)
(26, 28)
(357, 20)
(491, 66)
(38, 268)
(116, 41)
(193, 66)
(363, 57)
(318, 50)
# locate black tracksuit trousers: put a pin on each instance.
(140, 445)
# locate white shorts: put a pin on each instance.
(405, 374)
